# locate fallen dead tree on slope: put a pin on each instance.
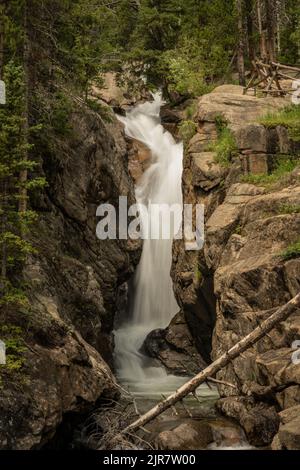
(190, 387)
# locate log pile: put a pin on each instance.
(267, 75)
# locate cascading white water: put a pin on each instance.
(154, 301)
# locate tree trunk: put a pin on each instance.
(259, 332)
(24, 173)
(262, 32)
(3, 183)
(241, 47)
(250, 37)
(271, 29)
(278, 24)
(2, 12)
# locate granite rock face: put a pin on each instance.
(239, 277)
(73, 281)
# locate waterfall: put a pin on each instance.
(154, 303)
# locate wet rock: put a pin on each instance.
(260, 422)
(174, 348)
(227, 434)
(192, 435)
(139, 159)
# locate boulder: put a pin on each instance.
(174, 348)
(193, 435)
(288, 437)
(260, 422)
(235, 107)
(206, 172)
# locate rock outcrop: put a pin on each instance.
(174, 348)
(239, 277)
(288, 437)
(72, 282)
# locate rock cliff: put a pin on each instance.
(72, 284)
(239, 277)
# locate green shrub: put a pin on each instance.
(288, 117)
(289, 209)
(225, 147)
(292, 251)
(283, 168)
(104, 111)
(187, 130)
(13, 338)
(191, 110)
(61, 111)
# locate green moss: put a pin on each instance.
(292, 251)
(198, 276)
(288, 117)
(238, 230)
(282, 169)
(187, 129)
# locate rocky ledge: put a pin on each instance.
(239, 277)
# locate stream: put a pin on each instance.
(154, 304)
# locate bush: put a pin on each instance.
(289, 209)
(187, 130)
(284, 167)
(288, 117)
(225, 147)
(293, 251)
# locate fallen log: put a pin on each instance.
(259, 332)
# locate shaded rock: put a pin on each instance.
(69, 377)
(260, 422)
(174, 348)
(289, 397)
(71, 281)
(252, 137)
(288, 437)
(256, 163)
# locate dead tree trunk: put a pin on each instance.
(280, 315)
